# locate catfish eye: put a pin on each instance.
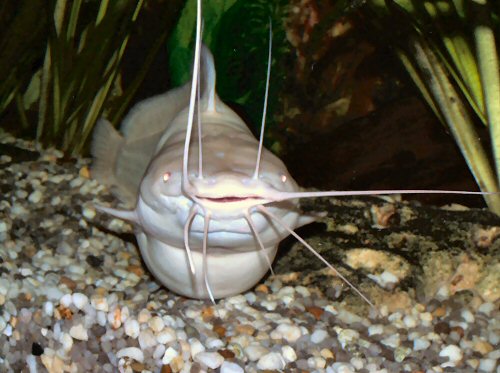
(283, 178)
(166, 176)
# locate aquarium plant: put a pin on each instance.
(449, 49)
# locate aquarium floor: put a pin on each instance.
(76, 297)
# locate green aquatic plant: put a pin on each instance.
(448, 47)
(237, 33)
(81, 47)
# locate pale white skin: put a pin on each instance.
(207, 226)
(226, 192)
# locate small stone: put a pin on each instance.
(170, 353)
(317, 312)
(487, 365)
(255, 352)
(271, 361)
(482, 347)
(156, 324)
(410, 321)
(146, 339)
(467, 316)
(453, 353)
(245, 329)
(132, 353)
(66, 300)
(36, 349)
(167, 335)
(66, 341)
(132, 328)
(316, 362)
(288, 332)
(196, 347)
(228, 367)
(375, 329)
(48, 308)
(391, 341)
(79, 332)
(343, 368)
(288, 354)
(420, 344)
(487, 308)
(319, 336)
(80, 300)
(35, 197)
(144, 316)
(213, 360)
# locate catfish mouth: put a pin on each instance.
(229, 199)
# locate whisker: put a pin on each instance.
(200, 145)
(192, 100)
(310, 248)
(254, 230)
(205, 266)
(187, 226)
(282, 196)
(266, 96)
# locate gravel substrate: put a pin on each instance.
(75, 296)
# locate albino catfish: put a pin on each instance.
(209, 214)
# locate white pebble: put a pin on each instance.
(228, 367)
(35, 197)
(88, 212)
(453, 353)
(66, 300)
(340, 368)
(288, 354)
(48, 308)
(375, 329)
(196, 347)
(159, 352)
(167, 335)
(31, 362)
(170, 353)
(213, 360)
(132, 328)
(487, 365)
(357, 363)
(391, 341)
(420, 344)
(271, 361)
(80, 300)
(99, 303)
(79, 332)
(319, 336)
(255, 352)
(487, 308)
(467, 316)
(146, 339)
(156, 324)
(410, 321)
(102, 318)
(286, 331)
(213, 343)
(347, 336)
(131, 352)
(66, 341)
(316, 362)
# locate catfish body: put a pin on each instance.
(143, 163)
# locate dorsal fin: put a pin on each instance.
(208, 76)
